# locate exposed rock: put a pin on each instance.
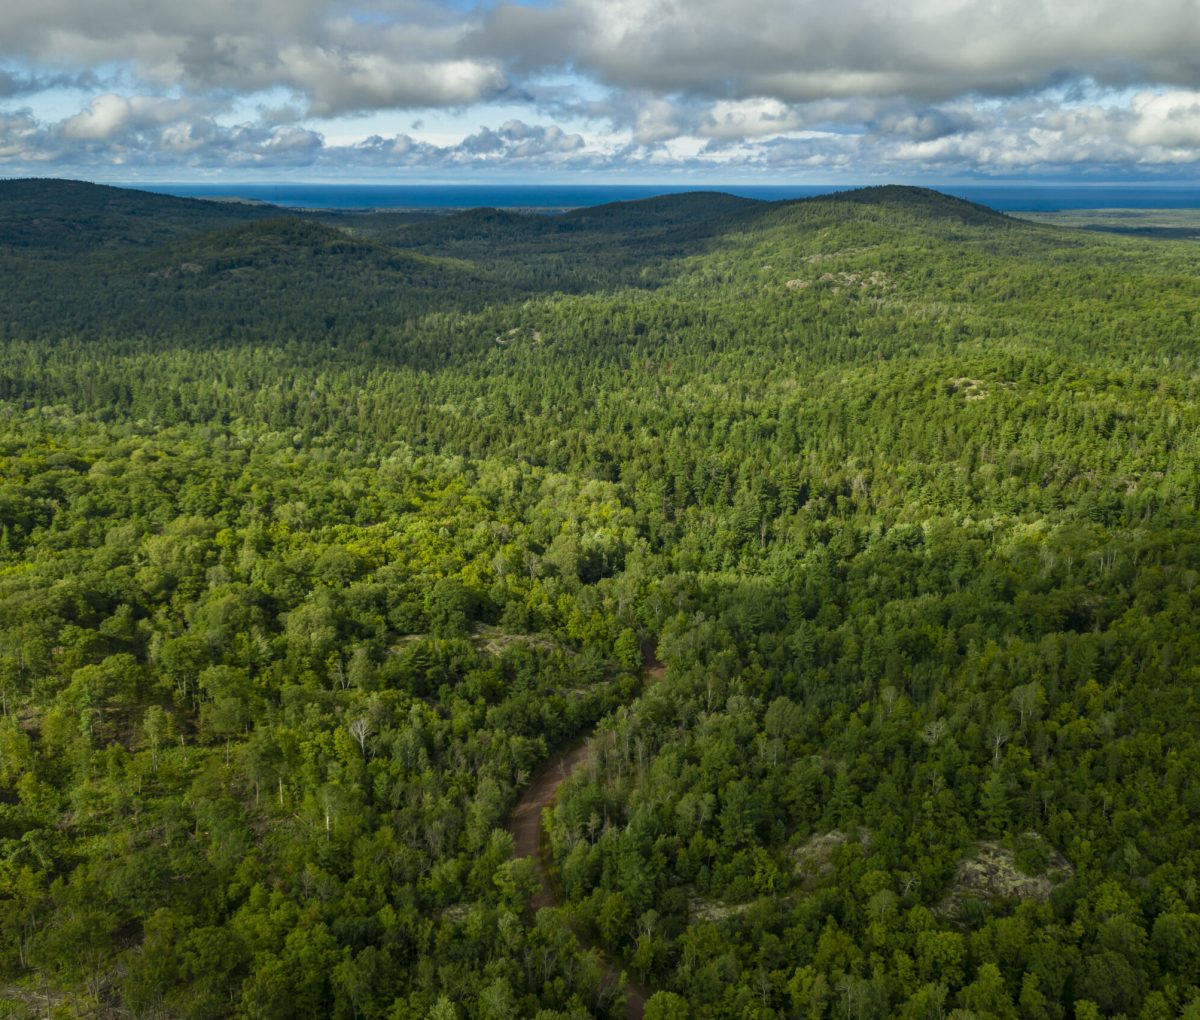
(703, 909)
(991, 872)
(493, 640)
(971, 389)
(814, 857)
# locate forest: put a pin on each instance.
(322, 533)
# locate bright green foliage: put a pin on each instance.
(317, 537)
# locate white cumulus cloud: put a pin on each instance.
(682, 85)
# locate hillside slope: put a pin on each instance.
(84, 260)
(58, 218)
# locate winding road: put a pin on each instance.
(525, 824)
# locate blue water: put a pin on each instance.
(1006, 197)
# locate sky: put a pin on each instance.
(685, 91)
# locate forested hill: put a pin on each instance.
(49, 217)
(85, 259)
(920, 202)
(320, 534)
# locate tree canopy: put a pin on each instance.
(320, 533)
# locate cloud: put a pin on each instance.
(392, 55)
(798, 52)
(14, 84)
(152, 132)
(342, 82)
(931, 124)
(110, 115)
(18, 134)
(759, 85)
(516, 140)
(388, 54)
(1150, 132)
(1145, 133)
(1170, 120)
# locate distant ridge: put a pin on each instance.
(927, 200)
(304, 246)
(53, 217)
(670, 204)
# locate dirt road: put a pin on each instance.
(525, 823)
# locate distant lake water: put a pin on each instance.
(1008, 198)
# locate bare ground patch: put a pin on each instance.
(490, 639)
(814, 857)
(971, 389)
(493, 640)
(701, 908)
(837, 282)
(991, 872)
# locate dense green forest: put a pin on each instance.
(321, 533)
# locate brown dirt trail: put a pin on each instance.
(525, 824)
